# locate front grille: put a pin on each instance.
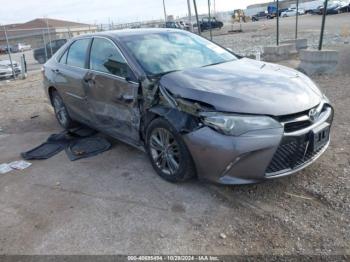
(292, 154)
(297, 150)
(295, 126)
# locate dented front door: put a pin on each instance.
(111, 93)
(113, 105)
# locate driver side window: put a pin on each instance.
(105, 57)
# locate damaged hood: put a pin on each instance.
(246, 86)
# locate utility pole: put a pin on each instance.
(165, 16)
(9, 53)
(195, 10)
(214, 7)
(211, 34)
(189, 15)
(323, 24)
(278, 23)
(296, 21)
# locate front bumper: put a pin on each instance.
(255, 156)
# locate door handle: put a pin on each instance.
(126, 99)
(89, 81)
(57, 71)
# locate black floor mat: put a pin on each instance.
(78, 143)
(87, 147)
(82, 131)
(44, 151)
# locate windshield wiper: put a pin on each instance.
(162, 74)
(217, 63)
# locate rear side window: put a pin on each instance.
(105, 57)
(77, 53)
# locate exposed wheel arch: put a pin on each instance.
(51, 89)
(181, 121)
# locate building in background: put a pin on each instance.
(34, 31)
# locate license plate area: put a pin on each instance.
(320, 136)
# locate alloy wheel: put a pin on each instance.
(165, 151)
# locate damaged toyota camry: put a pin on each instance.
(196, 108)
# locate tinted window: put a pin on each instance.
(105, 57)
(63, 58)
(77, 53)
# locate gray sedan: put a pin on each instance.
(196, 108)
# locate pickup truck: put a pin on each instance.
(42, 56)
(205, 24)
(258, 16)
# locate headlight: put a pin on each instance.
(236, 125)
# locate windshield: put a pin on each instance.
(159, 53)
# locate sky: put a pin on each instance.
(103, 11)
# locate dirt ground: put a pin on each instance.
(115, 202)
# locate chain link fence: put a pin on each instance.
(28, 48)
(25, 49)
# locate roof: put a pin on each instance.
(35, 27)
(43, 23)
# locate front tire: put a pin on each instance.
(168, 153)
(61, 112)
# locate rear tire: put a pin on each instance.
(61, 111)
(168, 153)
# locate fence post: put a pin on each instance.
(278, 23)
(323, 24)
(48, 31)
(296, 21)
(23, 67)
(195, 10)
(211, 34)
(9, 53)
(165, 18)
(45, 45)
(189, 15)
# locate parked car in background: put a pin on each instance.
(40, 54)
(259, 16)
(172, 24)
(183, 25)
(196, 108)
(4, 49)
(336, 7)
(300, 10)
(20, 47)
(205, 24)
(289, 12)
(6, 69)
